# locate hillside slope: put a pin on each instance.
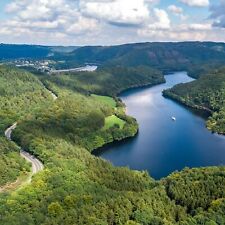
(107, 81)
(21, 94)
(207, 93)
(195, 57)
(78, 188)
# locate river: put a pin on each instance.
(162, 145)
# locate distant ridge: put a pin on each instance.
(194, 57)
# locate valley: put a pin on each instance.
(163, 146)
(87, 114)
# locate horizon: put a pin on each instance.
(107, 23)
(113, 45)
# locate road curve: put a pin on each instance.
(36, 164)
(54, 96)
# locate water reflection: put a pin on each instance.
(162, 145)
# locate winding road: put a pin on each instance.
(37, 165)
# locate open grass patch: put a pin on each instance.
(105, 99)
(113, 120)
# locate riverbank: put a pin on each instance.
(159, 137)
(206, 94)
(117, 98)
(200, 109)
(136, 87)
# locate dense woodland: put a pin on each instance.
(11, 164)
(9, 51)
(20, 93)
(194, 57)
(207, 93)
(76, 187)
(107, 80)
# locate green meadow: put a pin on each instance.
(112, 121)
(105, 99)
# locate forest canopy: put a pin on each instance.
(76, 187)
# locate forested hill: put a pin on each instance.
(107, 81)
(8, 52)
(21, 94)
(208, 92)
(76, 187)
(195, 57)
(12, 51)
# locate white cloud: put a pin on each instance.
(161, 20)
(46, 18)
(200, 27)
(183, 32)
(72, 19)
(37, 9)
(82, 26)
(133, 12)
(175, 9)
(198, 3)
(92, 22)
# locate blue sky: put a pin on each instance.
(2, 6)
(107, 22)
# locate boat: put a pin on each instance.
(173, 118)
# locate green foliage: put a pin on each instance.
(20, 93)
(105, 99)
(55, 209)
(112, 121)
(197, 188)
(11, 51)
(79, 188)
(206, 93)
(79, 119)
(194, 57)
(11, 164)
(106, 81)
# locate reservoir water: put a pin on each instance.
(163, 145)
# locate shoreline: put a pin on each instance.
(199, 109)
(203, 112)
(117, 96)
(134, 87)
(97, 151)
(129, 138)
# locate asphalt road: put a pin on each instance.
(36, 164)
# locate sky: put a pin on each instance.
(110, 22)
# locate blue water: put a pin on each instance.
(162, 145)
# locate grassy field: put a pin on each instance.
(105, 99)
(113, 120)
